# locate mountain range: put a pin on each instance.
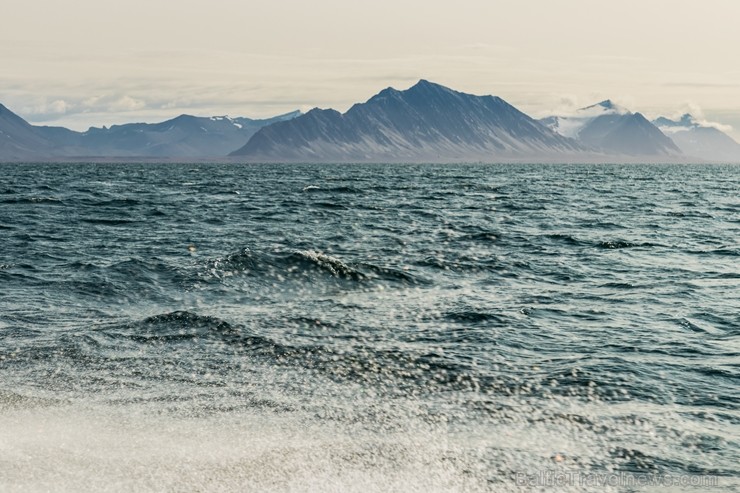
(425, 123)
(186, 136)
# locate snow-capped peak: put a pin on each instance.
(571, 125)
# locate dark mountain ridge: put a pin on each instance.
(427, 122)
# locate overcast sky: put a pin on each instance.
(93, 62)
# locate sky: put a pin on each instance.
(80, 63)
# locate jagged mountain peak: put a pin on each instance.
(319, 112)
(685, 121)
(605, 106)
(385, 94)
(426, 83)
(422, 89)
(607, 103)
(426, 86)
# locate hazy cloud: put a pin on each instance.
(719, 126)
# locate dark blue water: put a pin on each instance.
(367, 328)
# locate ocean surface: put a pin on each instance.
(369, 328)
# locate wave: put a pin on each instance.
(305, 265)
(477, 233)
(563, 238)
(692, 214)
(330, 205)
(727, 251)
(729, 275)
(485, 237)
(723, 251)
(174, 346)
(619, 244)
(470, 316)
(619, 285)
(293, 264)
(108, 222)
(33, 200)
(615, 244)
(179, 326)
(340, 189)
(392, 370)
(113, 203)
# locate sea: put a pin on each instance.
(367, 328)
